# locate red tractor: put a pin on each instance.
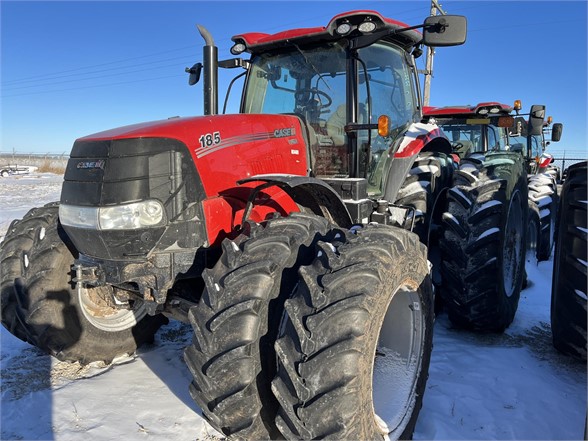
(242, 226)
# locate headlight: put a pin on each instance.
(118, 217)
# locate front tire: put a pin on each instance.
(361, 320)
(41, 306)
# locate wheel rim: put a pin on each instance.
(99, 312)
(398, 361)
(513, 245)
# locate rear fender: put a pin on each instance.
(544, 160)
(422, 137)
(419, 138)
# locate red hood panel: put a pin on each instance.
(227, 148)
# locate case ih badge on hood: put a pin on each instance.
(240, 225)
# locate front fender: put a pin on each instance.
(310, 193)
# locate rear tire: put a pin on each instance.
(483, 245)
(41, 306)
(543, 193)
(375, 288)
(533, 239)
(232, 358)
(568, 292)
(429, 176)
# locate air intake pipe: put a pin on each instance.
(210, 56)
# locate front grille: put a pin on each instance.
(113, 172)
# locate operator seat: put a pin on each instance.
(336, 123)
(336, 126)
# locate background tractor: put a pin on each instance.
(529, 137)
(484, 229)
(242, 224)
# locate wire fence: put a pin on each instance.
(564, 163)
(32, 156)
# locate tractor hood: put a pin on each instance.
(223, 148)
(176, 168)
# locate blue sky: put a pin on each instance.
(69, 69)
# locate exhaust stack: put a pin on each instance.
(210, 56)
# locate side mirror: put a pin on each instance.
(536, 118)
(556, 132)
(194, 72)
(444, 30)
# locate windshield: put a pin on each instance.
(536, 146)
(464, 138)
(312, 83)
(469, 138)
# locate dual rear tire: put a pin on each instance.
(357, 330)
(484, 243)
(329, 297)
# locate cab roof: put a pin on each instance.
(259, 42)
(482, 109)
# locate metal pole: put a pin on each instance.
(429, 63)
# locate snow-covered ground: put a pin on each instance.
(510, 386)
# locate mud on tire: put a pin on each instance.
(484, 240)
(232, 358)
(41, 306)
(360, 315)
(568, 292)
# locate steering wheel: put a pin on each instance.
(312, 92)
(457, 145)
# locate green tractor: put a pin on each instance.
(484, 229)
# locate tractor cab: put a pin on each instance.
(533, 133)
(475, 129)
(353, 84)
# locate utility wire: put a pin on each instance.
(95, 65)
(91, 86)
(194, 48)
(135, 70)
(136, 67)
